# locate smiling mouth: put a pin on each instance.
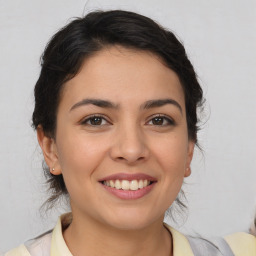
(132, 185)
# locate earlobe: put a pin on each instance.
(187, 172)
(49, 149)
(191, 147)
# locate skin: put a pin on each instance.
(127, 139)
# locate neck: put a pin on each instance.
(87, 237)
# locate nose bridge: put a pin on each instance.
(129, 143)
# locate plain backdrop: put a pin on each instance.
(220, 39)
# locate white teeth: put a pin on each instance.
(112, 184)
(118, 184)
(141, 184)
(134, 185)
(126, 184)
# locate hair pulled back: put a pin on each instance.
(81, 38)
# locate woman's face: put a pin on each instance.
(121, 139)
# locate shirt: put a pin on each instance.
(242, 244)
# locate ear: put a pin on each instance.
(191, 146)
(48, 146)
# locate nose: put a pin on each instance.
(129, 145)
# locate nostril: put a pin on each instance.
(128, 153)
(133, 160)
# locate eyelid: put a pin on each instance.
(169, 119)
(84, 120)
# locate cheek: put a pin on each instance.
(79, 156)
(78, 160)
(171, 153)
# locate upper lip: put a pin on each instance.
(128, 176)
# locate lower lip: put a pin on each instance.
(129, 194)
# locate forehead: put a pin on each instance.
(123, 75)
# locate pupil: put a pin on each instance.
(96, 120)
(158, 121)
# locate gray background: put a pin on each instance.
(220, 40)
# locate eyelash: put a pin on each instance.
(90, 118)
(168, 120)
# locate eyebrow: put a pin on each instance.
(108, 104)
(159, 103)
(97, 102)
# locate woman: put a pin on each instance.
(116, 118)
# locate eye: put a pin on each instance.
(160, 120)
(95, 120)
